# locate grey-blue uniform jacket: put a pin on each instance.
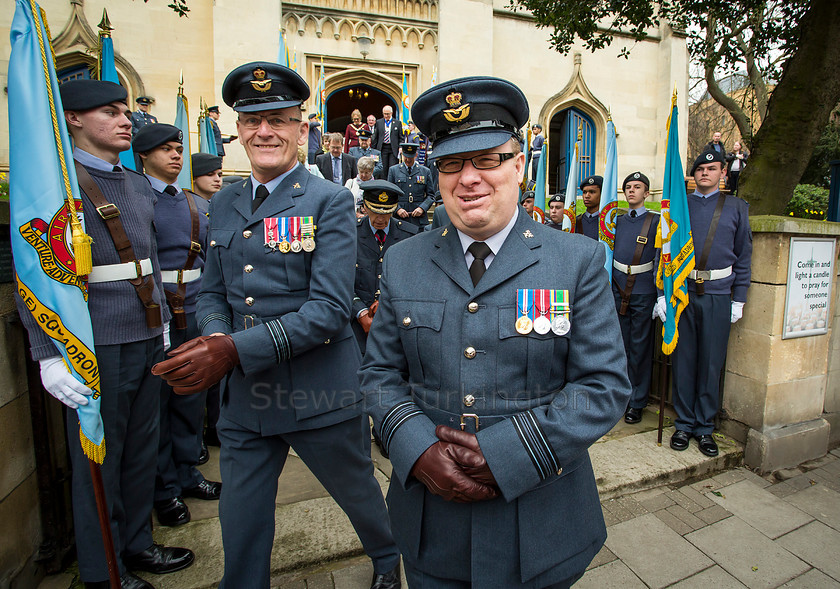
(418, 188)
(140, 119)
(587, 225)
(440, 348)
(627, 229)
(289, 314)
(358, 153)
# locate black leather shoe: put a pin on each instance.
(172, 512)
(127, 581)
(204, 456)
(389, 580)
(160, 560)
(632, 415)
(707, 445)
(207, 490)
(679, 441)
(211, 437)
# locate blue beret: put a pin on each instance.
(262, 85)
(204, 163)
(707, 157)
(637, 177)
(470, 114)
(87, 94)
(592, 181)
(557, 198)
(150, 136)
(380, 196)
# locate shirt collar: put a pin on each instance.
(715, 193)
(160, 185)
(271, 184)
(91, 161)
(640, 211)
(494, 242)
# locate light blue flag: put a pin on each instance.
(570, 213)
(283, 52)
(182, 121)
(42, 182)
(206, 136)
(609, 200)
(108, 73)
(405, 106)
(674, 237)
(539, 188)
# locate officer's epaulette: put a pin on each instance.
(360, 220)
(408, 227)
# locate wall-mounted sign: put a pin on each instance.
(810, 276)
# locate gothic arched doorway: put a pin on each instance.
(342, 101)
(562, 134)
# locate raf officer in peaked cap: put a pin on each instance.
(220, 140)
(717, 292)
(364, 149)
(274, 310)
(142, 117)
(127, 314)
(587, 222)
(415, 182)
(489, 379)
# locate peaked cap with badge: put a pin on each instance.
(409, 149)
(262, 85)
(156, 134)
(707, 157)
(364, 134)
(380, 196)
(470, 114)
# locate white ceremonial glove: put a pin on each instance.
(61, 384)
(737, 311)
(659, 309)
(167, 343)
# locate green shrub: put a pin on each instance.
(808, 202)
(4, 186)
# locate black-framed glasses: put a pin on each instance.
(276, 122)
(485, 161)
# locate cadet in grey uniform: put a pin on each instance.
(487, 413)
(717, 292)
(127, 332)
(415, 181)
(178, 213)
(587, 222)
(274, 309)
(364, 149)
(635, 259)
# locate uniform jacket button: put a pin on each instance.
(472, 307)
(249, 301)
(249, 268)
(406, 321)
(213, 243)
(560, 470)
(469, 352)
(469, 400)
(247, 234)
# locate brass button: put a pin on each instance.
(380, 260)
(472, 307)
(249, 268)
(560, 470)
(377, 292)
(379, 275)
(470, 352)
(247, 234)
(406, 321)
(212, 243)
(249, 301)
(327, 341)
(469, 400)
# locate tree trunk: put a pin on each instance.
(798, 111)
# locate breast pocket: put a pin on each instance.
(419, 323)
(529, 365)
(220, 241)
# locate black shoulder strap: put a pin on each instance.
(710, 237)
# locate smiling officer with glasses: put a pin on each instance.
(488, 419)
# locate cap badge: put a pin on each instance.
(710, 157)
(259, 83)
(180, 135)
(637, 175)
(456, 112)
(383, 197)
(591, 180)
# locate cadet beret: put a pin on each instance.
(144, 100)
(364, 134)
(557, 198)
(150, 136)
(204, 163)
(409, 148)
(637, 177)
(470, 114)
(380, 196)
(87, 94)
(592, 181)
(213, 109)
(526, 195)
(262, 85)
(707, 157)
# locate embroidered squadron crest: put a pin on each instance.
(456, 112)
(259, 83)
(383, 197)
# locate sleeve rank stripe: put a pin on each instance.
(536, 444)
(281, 341)
(397, 416)
(214, 317)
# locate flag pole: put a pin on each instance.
(105, 524)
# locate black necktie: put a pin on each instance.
(171, 190)
(479, 250)
(259, 197)
(632, 214)
(380, 237)
(117, 169)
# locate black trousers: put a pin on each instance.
(637, 332)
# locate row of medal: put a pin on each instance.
(289, 234)
(542, 310)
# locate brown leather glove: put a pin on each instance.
(365, 320)
(477, 466)
(198, 364)
(439, 468)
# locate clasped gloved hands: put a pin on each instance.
(455, 468)
(198, 364)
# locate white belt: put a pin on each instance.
(706, 275)
(114, 272)
(630, 270)
(171, 276)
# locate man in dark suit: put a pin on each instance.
(274, 311)
(387, 135)
(337, 166)
(489, 378)
(416, 187)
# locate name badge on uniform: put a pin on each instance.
(272, 232)
(560, 309)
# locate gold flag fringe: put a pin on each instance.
(91, 450)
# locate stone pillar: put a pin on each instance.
(775, 395)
